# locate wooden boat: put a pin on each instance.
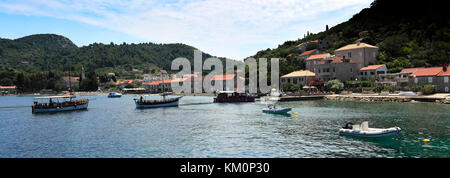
(170, 102)
(114, 95)
(233, 97)
(67, 104)
(363, 130)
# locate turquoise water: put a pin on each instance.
(112, 127)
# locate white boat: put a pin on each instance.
(363, 130)
(171, 102)
(114, 95)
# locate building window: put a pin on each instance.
(289, 80)
(319, 71)
(334, 69)
(360, 54)
(430, 79)
(349, 54)
(445, 79)
(372, 73)
(446, 89)
(282, 80)
(351, 69)
(416, 80)
(295, 80)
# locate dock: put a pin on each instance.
(301, 98)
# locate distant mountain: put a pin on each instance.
(408, 34)
(45, 52)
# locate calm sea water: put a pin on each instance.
(112, 127)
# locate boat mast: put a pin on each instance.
(162, 75)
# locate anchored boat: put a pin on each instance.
(58, 103)
(274, 110)
(233, 97)
(114, 95)
(363, 130)
(170, 102)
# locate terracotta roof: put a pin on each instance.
(308, 52)
(8, 87)
(355, 46)
(372, 67)
(152, 83)
(422, 72)
(410, 70)
(318, 56)
(446, 73)
(300, 73)
(223, 77)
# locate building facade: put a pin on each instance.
(372, 72)
(299, 78)
(363, 54)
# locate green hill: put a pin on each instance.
(44, 52)
(408, 34)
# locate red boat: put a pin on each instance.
(233, 97)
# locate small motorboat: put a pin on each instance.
(363, 130)
(114, 95)
(275, 110)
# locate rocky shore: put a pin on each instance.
(389, 98)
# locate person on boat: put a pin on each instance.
(141, 98)
(50, 102)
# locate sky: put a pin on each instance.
(234, 29)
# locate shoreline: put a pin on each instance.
(436, 98)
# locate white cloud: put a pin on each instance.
(229, 28)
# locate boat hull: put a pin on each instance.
(380, 133)
(158, 105)
(116, 96)
(277, 111)
(59, 109)
(234, 100)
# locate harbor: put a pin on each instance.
(114, 127)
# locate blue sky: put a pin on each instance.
(227, 28)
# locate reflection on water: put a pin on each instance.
(113, 127)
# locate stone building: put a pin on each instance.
(299, 78)
(363, 54)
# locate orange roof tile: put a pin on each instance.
(421, 72)
(308, 52)
(223, 77)
(8, 87)
(371, 67)
(410, 70)
(318, 56)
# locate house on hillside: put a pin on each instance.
(363, 54)
(372, 72)
(303, 46)
(313, 60)
(325, 44)
(335, 67)
(306, 54)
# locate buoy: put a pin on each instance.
(295, 113)
(426, 140)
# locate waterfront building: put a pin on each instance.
(299, 78)
(335, 67)
(438, 76)
(4, 90)
(372, 72)
(313, 60)
(363, 54)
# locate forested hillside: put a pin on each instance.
(408, 34)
